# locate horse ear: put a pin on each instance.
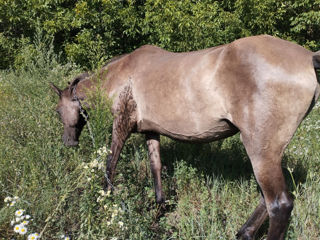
(56, 89)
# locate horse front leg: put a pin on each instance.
(153, 142)
(123, 124)
(119, 136)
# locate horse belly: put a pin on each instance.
(184, 131)
(201, 122)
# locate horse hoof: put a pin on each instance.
(244, 235)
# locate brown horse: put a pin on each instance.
(261, 86)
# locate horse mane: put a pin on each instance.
(78, 78)
(87, 74)
(113, 59)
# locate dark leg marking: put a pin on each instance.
(123, 124)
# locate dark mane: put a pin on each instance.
(79, 78)
(85, 75)
(115, 59)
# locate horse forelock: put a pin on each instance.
(79, 78)
(75, 81)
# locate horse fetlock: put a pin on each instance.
(160, 198)
(108, 182)
(246, 234)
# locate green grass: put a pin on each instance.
(210, 188)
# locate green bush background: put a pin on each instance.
(210, 188)
(89, 32)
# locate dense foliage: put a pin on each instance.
(90, 32)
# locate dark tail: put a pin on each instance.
(316, 60)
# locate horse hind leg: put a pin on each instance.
(153, 142)
(265, 153)
(252, 225)
(124, 123)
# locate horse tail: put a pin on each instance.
(316, 60)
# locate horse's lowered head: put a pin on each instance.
(71, 113)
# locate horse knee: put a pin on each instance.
(281, 207)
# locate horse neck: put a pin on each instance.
(86, 87)
(90, 85)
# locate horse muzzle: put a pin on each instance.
(69, 142)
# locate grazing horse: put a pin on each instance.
(261, 86)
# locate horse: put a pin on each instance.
(260, 86)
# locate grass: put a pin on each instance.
(210, 188)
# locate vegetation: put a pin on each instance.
(210, 188)
(90, 32)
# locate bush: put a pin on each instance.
(89, 33)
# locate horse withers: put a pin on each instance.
(261, 86)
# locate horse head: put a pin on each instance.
(71, 113)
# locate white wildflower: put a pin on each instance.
(94, 163)
(23, 230)
(19, 212)
(103, 151)
(33, 236)
(16, 228)
(12, 203)
(104, 193)
(25, 222)
(115, 213)
(8, 199)
(120, 224)
(28, 217)
(85, 166)
(101, 166)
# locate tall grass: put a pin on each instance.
(210, 188)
